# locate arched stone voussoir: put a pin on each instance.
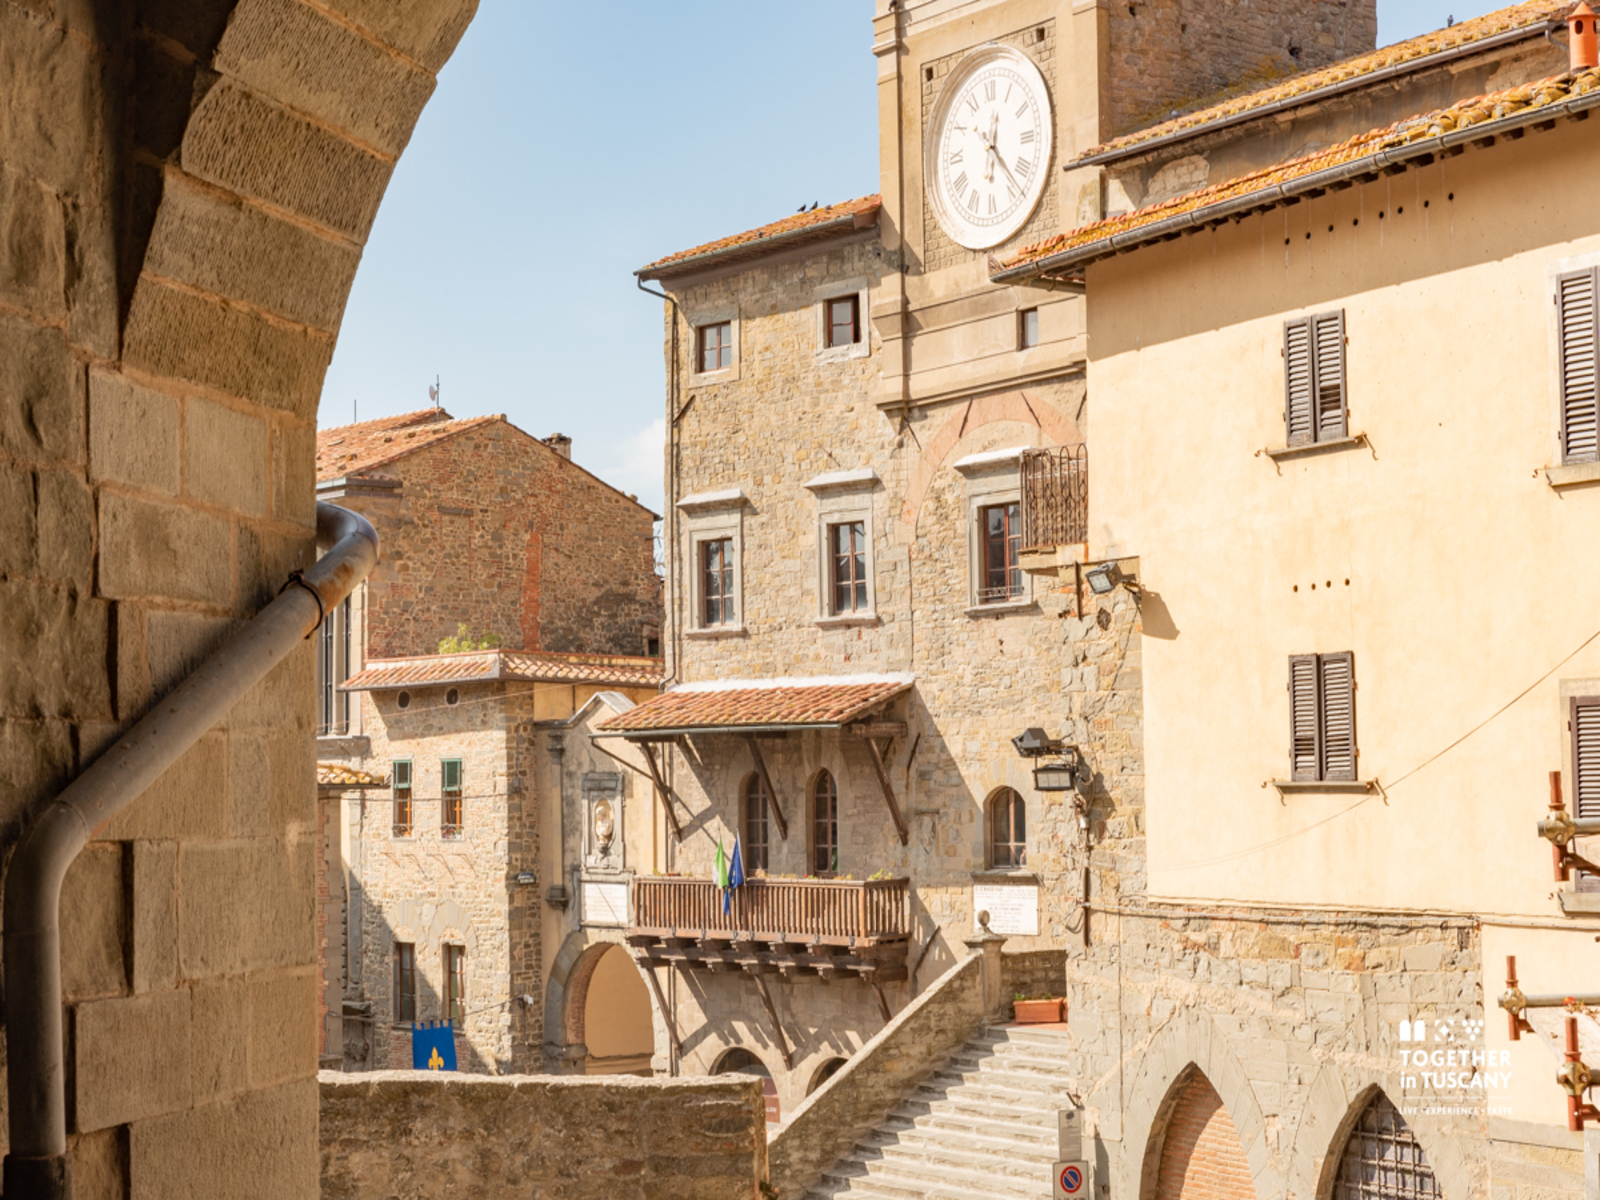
(1192, 1040)
(426, 30)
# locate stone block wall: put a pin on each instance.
(412, 1135)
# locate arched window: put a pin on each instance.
(756, 804)
(740, 1061)
(1381, 1159)
(824, 824)
(1008, 829)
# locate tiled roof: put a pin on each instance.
(1517, 106)
(338, 775)
(351, 449)
(1457, 38)
(741, 704)
(792, 230)
(487, 665)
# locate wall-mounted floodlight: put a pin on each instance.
(526, 878)
(1067, 774)
(1106, 576)
(1035, 743)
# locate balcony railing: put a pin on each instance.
(1055, 497)
(836, 911)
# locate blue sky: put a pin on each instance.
(569, 144)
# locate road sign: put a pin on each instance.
(1071, 1180)
(1070, 1127)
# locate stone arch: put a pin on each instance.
(566, 992)
(1199, 1156)
(1339, 1095)
(1190, 1041)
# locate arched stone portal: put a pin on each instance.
(1201, 1158)
(185, 191)
(566, 1001)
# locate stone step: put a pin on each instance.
(1021, 1092)
(1003, 1074)
(905, 1182)
(941, 1123)
(962, 1154)
(994, 1139)
(979, 1107)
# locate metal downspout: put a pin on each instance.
(37, 1166)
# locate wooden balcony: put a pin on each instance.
(781, 926)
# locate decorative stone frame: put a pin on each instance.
(838, 290)
(844, 497)
(709, 517)
(993, 477)
(713, 315)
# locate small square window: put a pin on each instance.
(1027, 329)
(843, 321)
(716, 581)
(715, 346)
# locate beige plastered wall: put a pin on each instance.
(1468, 574)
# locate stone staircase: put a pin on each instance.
(982, 1128)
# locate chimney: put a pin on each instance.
(562, 444)
(1581, 43)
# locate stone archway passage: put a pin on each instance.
(617, 1030)
(1382, 1160)
(1201, 1158)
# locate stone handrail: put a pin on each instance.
(879, 1077)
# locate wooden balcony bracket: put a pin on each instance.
(772, 1014)
(883, 1003)
(766, 782)
(871, 734)
(663, 792)
(649, 970)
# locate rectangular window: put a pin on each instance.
(843, 321)
(455, 982)
(1313, 364)
(333, 668)
(1322, 717)
(401, 783)
(405, 981)
(1027, 328)
(715, 346)
(716, 582)
(450, 814)
(848, 550)
(1579, 336)
(1001, 529)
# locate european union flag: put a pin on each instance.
(433, 1046)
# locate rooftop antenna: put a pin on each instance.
(355, 411)
(433, 391)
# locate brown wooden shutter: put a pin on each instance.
(1305, 742)
(1584, 719)
(1328, 344)
(1338, 715)
(1299, 414)
(1576, 306)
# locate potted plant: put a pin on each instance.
(1039, 1010)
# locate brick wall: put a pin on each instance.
(1201, 1158)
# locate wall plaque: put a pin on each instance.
(1013, 907)
(605, 903)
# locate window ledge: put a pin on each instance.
(1004, 875)
(1286, 786)
(1344, 443)
(847, 620)
(1572, 474)
(714, 632)
(1005, 608)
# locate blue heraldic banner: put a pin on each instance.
(433, 1046)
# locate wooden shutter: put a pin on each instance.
(1584, 719)
(1328, 343)
(1305, 749)
(1338, 686)
(1298, 406)
(1580, 364)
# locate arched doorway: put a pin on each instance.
(616, 1017)
(1201, 1155)
(740, 1061)
(1381, 1159)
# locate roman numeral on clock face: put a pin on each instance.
(972, 103)
(1023, 111)
(960, 184)
(988, 90)
(991, 206)
(1027, 136)
(953, 158)
(1024, 167)
(972, 201)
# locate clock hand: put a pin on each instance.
(991, 155)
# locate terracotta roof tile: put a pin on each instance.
(385, 674)
(353, 449)
(743, 704)
(339, 775)
(1526, 99)
(753, 241)
(1459, 36)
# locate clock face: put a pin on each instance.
(989, 150)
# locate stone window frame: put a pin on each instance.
(844, 497)
(452, 952)
(398, 957)
(451, 831)
(1559, 473)
(708, 517)
(698, 319)
(838, 289)
(990, 809)
(993, 477)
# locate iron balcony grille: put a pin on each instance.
(1055, 497)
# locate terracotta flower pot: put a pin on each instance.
(1040, 1012)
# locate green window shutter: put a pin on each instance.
(1579, 339)
(1338, 686)
(1298, 406)
(1328, 340)
(1305, 748)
